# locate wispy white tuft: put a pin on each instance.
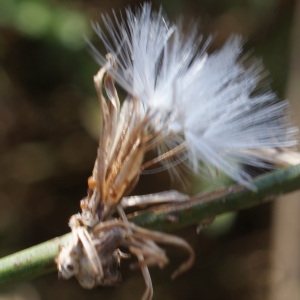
(208, 102)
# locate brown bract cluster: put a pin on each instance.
(92, 254)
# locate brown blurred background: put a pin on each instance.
(49, 120)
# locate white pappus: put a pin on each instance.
(207, 103)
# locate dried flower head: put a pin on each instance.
(185, 104)
(207, 104)
(92, 254)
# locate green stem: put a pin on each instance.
(32, 262)
(204, 206)
(40, 259)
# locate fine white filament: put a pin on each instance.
(210, 103)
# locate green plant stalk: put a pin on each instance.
(201, 207)
(31, 262)
(40, 259)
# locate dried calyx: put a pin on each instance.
(92, 254)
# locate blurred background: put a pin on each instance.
(49, 124)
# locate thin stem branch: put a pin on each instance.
(31, 262)
(39, 259)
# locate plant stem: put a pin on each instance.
(31, 262)
(39, 259)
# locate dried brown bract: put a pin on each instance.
(92, 254)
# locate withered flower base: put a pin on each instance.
(93, 254)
